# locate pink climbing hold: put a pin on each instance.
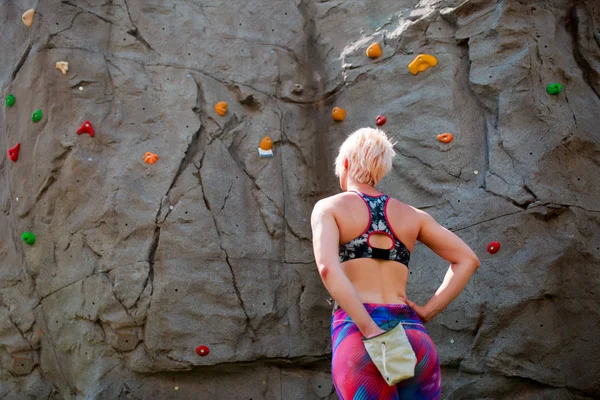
(86, 128)
(493, 247)
(13, 153)
(202, 351)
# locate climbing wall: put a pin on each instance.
(160, 160)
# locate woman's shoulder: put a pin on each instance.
(398, 206)
(338, 202)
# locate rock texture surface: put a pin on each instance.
(135, 265)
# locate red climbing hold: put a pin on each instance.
(380, 120)
(13, 153)
(86, 128)
(493, 247)
(202, 351)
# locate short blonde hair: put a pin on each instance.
(369, 153)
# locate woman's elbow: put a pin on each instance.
(325, 271)
(469, 260)
(473, 261)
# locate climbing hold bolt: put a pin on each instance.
(28, 17)
(421, 63)
(150, 158)
(338, 113)
(380, 120)
(374, 50)
(221, 108)
(10, 100)
(37, 115)
(13, 153)
(493, 247)
(202, 351)
(297, 89)
(265, 148)
(63, 66)
(554, 88)
(86, 127)
(445, 137)
(28, 238)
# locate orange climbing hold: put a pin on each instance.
(221, 108)
(63, 66)
(28, 17)
(374, 50)
(265, 148)
(150, 158)
(338, 113)
(86, 127)
(421, 63)
(445, 137)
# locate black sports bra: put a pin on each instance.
(378, 224)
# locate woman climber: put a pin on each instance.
(362, 240)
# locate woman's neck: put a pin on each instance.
(363, 188)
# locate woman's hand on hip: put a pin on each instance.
(373, 332)
(421, 311)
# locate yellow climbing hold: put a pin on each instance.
(63, 66)
(421, 63)
(374, 50)
(28, 17)
(338, 113)
(221, 108)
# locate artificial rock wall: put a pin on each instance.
(135, 265)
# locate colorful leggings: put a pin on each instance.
(355, 377)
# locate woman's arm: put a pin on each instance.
(463, 261)
(325, 245)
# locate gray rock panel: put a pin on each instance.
(135, 265)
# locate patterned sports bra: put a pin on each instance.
(378, 224)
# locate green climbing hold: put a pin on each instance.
(10, 100)
(28, 238)
(554, 88)
(37, 115)
(597, 36)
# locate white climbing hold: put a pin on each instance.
(176, 387)
(272, 51)
(451, 340)
(89, 158)
(80, 87)
(266, 129)
(475, 172)
(170, 207)
(17, 199)
(63, 66)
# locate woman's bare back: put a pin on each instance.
(375, 280)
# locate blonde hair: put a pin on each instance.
(369, 153)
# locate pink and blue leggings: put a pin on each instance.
(355, 377)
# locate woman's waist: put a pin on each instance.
(381, 313)
(376, 297)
